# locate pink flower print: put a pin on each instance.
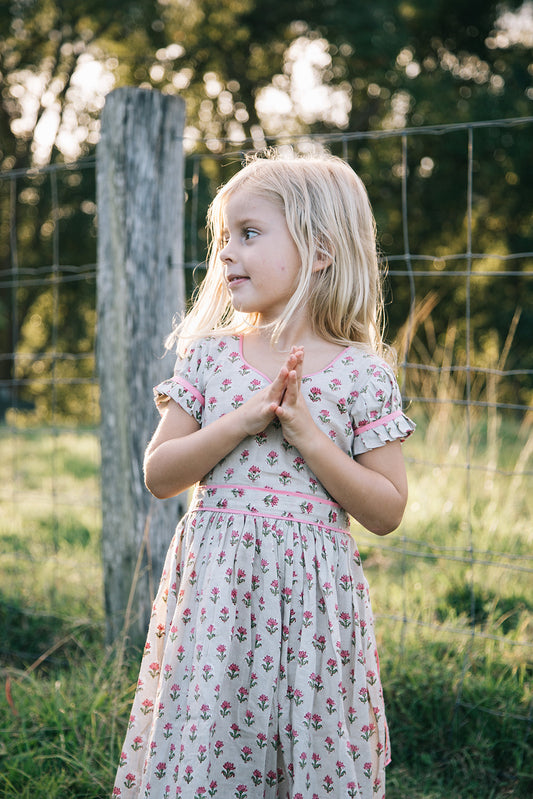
(363, 695)
(371, 677)
(219, 746)
(261, 740)
(262, 701)
(257, 777)
(328, 784)
(129, 780)
(315, 760)
(272, 458)
(226, 384)
(340, 769)
(268, 662)
(235, 731)
(313, 485)
(221, 651)
(307, 618)
(253, 473)
(345, 619)
(272, 626)
(271, 778)
(211, 403)
(367, 731)
(206, 672)
(246, 754)
(315, 394)
(234, 356)
(335, 384)
(285, 478)
(306, 507)
(153, 669)
(316, 721)
(298, 463)
(137, 743)
(316, 682)
(260, 438)
(345, 582)
(225, 707)
(224, 614)
(319, 642)
(233, 671)
(254, 384)
(332, 666)
(367, 769)
(341, 405)
(324, 416)
(345, 656)
(244, 456)
(228, 474)
(215, 592)
(330, 705)
(147, 706)
(116, 792)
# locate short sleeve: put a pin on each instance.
(377, 415)
(186, 386)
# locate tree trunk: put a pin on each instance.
(140, 287)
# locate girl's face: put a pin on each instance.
(261, 261)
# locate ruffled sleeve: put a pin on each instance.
(186, 386)
(377, 414)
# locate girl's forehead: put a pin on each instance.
(250, 202)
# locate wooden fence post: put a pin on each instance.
(140, 286)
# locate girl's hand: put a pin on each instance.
(262, 407)
(293, 413)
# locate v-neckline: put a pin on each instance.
(247, 363)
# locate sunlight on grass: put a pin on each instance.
(451, 592)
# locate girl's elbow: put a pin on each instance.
(389, 521)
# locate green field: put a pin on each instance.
(451, 592)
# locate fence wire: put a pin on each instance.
(460, 566)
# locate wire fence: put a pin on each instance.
(454, 214)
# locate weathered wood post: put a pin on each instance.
(140, 287)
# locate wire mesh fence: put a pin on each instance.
(454, 215)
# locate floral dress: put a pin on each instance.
(260, 674)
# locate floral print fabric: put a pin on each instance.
(260, 675)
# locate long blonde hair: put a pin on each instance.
(328, 215)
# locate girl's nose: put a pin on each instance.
(225, 253)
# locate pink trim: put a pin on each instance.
(258, 515)
(190, 388)
(297, 494)
(378, 422)
(311, 374)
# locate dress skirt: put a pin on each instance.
(260, 675)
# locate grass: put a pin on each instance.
(451, 591)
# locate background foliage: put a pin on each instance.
(250, 70)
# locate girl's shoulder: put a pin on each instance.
(364, 361)
(213, 344)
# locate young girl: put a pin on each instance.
(260, 674)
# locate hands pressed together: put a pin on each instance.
(282, 399)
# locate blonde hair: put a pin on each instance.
(328, 215)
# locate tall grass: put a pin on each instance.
(451, 593)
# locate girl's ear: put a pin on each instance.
(323, 259)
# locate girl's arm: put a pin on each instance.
(181, 452)
(372, 488)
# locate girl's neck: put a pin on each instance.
(263, 354)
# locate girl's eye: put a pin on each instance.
(249, 233)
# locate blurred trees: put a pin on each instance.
(250, 70)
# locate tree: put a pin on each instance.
(251, 69)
